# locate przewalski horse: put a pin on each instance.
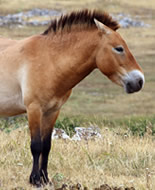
(38, 73)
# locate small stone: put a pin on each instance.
(59, 134)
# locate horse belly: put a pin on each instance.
(11, 102)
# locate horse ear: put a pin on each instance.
(102, 27)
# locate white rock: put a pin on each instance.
(59, 134)
(86, 133)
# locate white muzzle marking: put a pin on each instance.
(133, 81)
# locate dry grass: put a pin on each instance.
(137, 4)
(15, 6)
(118, 160)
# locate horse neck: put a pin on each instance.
(73, 56)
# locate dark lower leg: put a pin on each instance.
(46, 146)
(48, 121)
(36, 147)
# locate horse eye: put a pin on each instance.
(119, 49)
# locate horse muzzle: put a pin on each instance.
(133, 81)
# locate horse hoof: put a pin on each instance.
(44, 177)
(35, 180)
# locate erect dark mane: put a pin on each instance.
(81, 18)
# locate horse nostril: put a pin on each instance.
(140, 82)
(129, 87)
(128, 84)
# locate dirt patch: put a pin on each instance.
(102, 187)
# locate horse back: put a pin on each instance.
(5, 43)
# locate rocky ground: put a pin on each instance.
(102, 187)
(81, 133)
(37, 17)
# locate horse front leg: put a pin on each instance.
(48, 122)
(34, 118)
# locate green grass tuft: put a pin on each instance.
(68, 125)
(12, 123)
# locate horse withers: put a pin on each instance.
(38, 73)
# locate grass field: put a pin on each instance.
(125, 156)
(116, 159)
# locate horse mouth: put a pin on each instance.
(133, 81)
